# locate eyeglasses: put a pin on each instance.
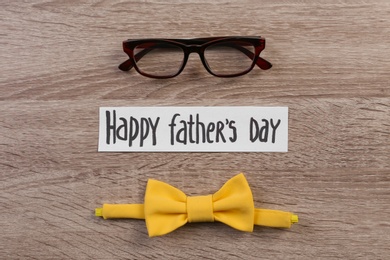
(221, 56)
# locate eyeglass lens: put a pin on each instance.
(229, 58)
(159, 59)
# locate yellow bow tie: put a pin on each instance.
(167, 208)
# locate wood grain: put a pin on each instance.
(331, 68)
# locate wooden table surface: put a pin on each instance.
(331, 68)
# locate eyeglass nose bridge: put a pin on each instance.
(197, 49)
(194, 48)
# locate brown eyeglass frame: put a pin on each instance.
(197, 45)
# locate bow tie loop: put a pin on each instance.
(200, 209)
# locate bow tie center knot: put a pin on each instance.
(200, 208)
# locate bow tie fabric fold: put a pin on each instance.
(167, 208)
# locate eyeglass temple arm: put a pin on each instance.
(261, 63)
(128, 64)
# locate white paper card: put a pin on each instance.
(193, 129)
